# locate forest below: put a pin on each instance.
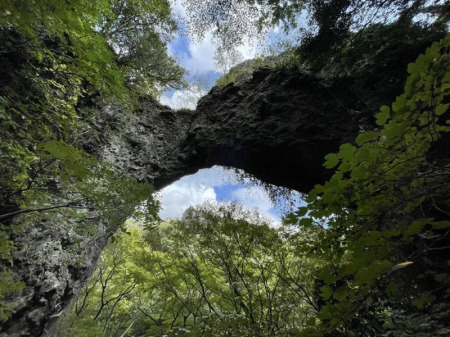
(369, 253)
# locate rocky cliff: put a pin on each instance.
(275, 124)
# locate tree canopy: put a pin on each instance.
(333, 25)
(218, 270)
(386, 210)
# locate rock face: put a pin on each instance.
(54, 258)
(274, 124)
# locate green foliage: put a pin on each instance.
(138, 31)
(241, 70)
(112, 291)
(115, 195)
(219, 270)
(385, 210)
(246, 68)
(125, 27)
(185, 111)
(334, 31)
(8, 287)
(72, 26)
(147, 67)
(54, 58)
(8, 284)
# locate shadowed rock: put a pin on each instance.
(276, 125)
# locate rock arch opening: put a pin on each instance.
(220, 184)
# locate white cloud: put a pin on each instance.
(253, 197)
(183, 98)
(176, 198)
(214, 176)
(201, 58)
(191, 190)
(247, 50)
(178, 9)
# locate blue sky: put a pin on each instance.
(215, 184)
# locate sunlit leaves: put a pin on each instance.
(402, 265)
(54, 60)
(213, 272)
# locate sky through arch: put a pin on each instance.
(218, 184)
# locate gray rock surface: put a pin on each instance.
(274, 124)
(54, 257)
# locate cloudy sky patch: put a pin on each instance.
(179, 99)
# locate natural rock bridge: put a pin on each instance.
(275, 124)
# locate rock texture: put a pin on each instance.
(274, 124)
(54, 257)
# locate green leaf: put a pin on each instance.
(370, 274)
(346, 151)
(363, 154)
(399, 103)
(423, 300)
(301, 211)
(383, 115)
(367, 137)
(326, 292)
(331, 160)
(311, 321)
(290, 219)
(441, 109)
(306, 222)
(440, 224)
(392, 288)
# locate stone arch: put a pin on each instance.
(275, 124)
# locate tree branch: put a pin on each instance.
(30, 210)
